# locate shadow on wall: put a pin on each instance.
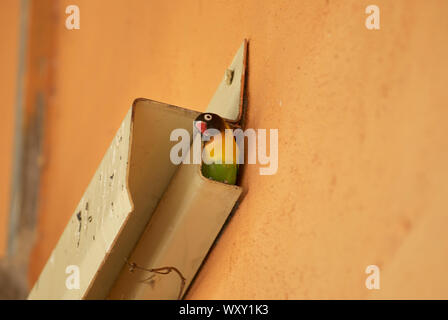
(12, 283)
(14, 267)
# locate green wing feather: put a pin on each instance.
(226, 173)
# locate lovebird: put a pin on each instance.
(221, 168)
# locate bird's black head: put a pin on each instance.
(207, 121)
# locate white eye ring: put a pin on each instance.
(208, 117)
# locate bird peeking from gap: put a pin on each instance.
(215, 164)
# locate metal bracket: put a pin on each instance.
(140, 207)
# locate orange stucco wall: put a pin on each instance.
(362, 175)
(9, 47)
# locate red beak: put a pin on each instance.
(201, 126)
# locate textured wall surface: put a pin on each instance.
(362, 175)
(9, 47)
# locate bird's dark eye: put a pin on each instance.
(208, 117)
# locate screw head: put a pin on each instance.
(229, 76)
